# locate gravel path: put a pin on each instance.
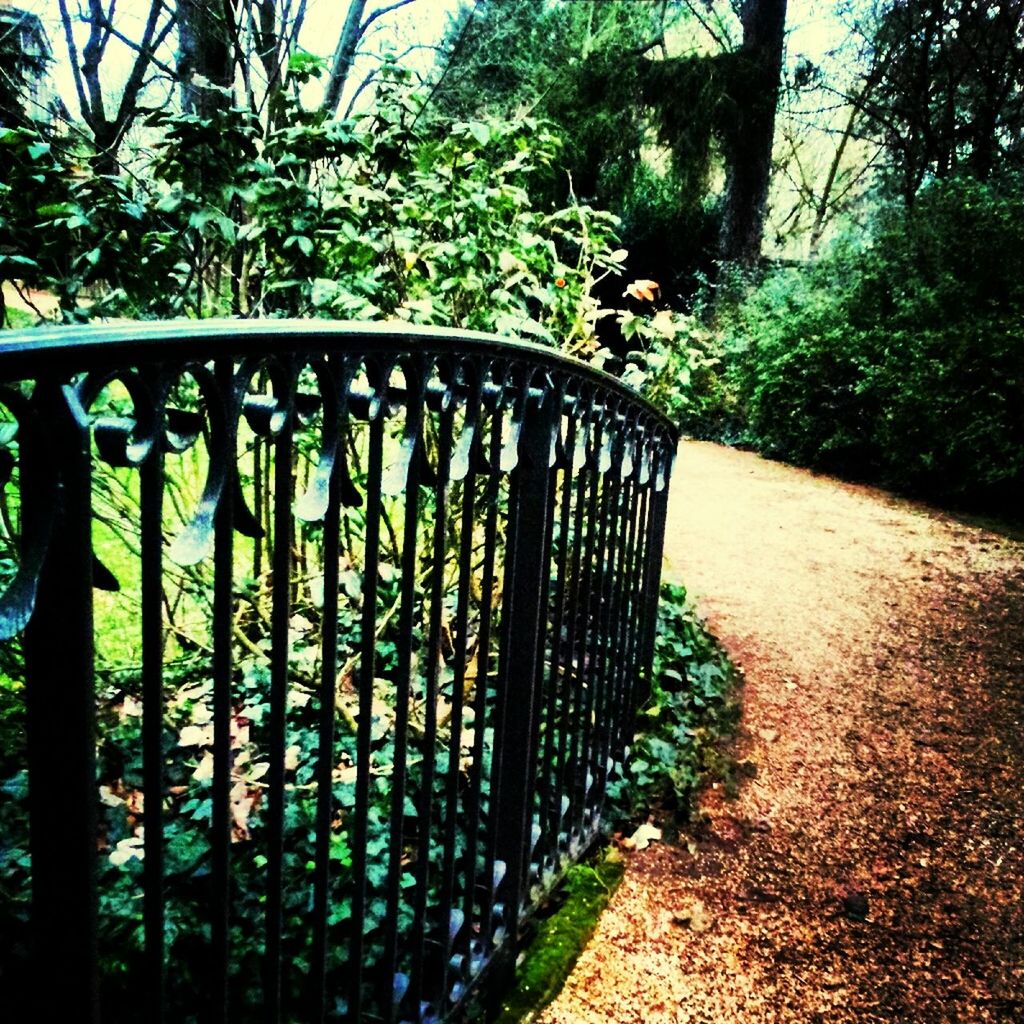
(872, 868)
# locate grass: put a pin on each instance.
(18, 318)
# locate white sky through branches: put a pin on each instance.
(814, 31)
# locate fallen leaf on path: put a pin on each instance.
(642, 837)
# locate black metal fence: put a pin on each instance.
(322, 643)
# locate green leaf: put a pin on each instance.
(480, 132)
(170, 203)
(304, 244)
(183, 852)
(56, 209)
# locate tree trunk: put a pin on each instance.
(748, 146)
(204, 49)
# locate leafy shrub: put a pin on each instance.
(691, 710)
(382, 217)
(901, 359)
(676, 363)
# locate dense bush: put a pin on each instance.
(900, 359)
(380, 217)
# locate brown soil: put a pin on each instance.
(872, 869)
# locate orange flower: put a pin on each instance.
(559, 282)
(643, 289)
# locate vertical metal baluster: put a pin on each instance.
(608, 547)
(61, 713)
(483, 663)
(448, 924)
(151, 493)
(568, 733)
(277, 740)
(403, 689)
(367, 668)
(593, 576)
(501, 697)
(268, 530)
(526, 579)
(257, 498)
(419, 926)
(638, 582)
(659, 511)
(604, 616)
(626, 617)
(640, 560)
(223, 617)
(532, 753)
(586, 522)
(613, 709)
(325, 738)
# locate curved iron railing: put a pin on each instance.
(327, 639)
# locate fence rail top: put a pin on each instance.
(30, 351)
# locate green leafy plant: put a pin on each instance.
(692, 711)
(676, 363)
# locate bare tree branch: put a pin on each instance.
(380, 14)
(69, 37)
(108, 132)
(132, 45)
(344, 53)
(722, 42)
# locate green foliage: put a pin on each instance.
(18, 318)
(387, 217)
(34, 178)
(676, 363)
(947, 100)
(691, 711)
(900, 359)
(591, 70)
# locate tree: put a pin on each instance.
(353, 31)
(749, 139)
(587, 69)
(619, 78)
(206, 54)
(108, 129)
(950, 100)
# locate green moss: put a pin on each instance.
(561, 937)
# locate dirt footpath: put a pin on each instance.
(872, 868)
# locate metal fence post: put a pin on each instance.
(61, 713)
(656, 550)
(527, 580)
